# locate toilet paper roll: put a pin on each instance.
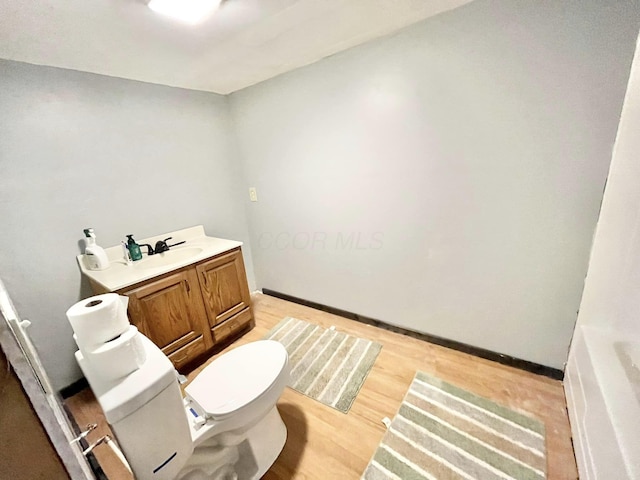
(98, 319)
(118, 357)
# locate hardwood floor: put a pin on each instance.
(323, 443)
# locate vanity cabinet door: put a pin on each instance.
(170, 312)
(223, 281)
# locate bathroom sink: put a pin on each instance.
(168, 258)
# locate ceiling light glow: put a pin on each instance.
(188, 11)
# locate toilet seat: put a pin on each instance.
(238, 378)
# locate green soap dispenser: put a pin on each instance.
(134, 248)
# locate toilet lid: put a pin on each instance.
(238, 377)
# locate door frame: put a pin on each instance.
(46, 404)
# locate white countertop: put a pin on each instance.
(119, 275)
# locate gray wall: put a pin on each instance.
(80, 150)
(447, 179)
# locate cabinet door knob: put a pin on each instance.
(186, 282)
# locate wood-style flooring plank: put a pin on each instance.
(323, 443)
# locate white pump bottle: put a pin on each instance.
(96, 257)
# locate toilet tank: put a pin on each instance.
(155, 438)
(146, 413)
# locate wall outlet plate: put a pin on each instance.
(253, 194)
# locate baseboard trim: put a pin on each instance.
(75, 387)
(519, 363)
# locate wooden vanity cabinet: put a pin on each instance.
(223, 282)
(188, 311)
(169, 311)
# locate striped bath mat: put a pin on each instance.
(326, 365)
(444, 432)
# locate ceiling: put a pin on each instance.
(243, 43)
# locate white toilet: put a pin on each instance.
(226, 427)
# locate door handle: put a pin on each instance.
(188, 287)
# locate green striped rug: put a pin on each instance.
(326, 365)
(444, 432)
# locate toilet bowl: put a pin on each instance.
(227, 425)
(231, 405)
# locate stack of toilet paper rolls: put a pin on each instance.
(107, 340)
